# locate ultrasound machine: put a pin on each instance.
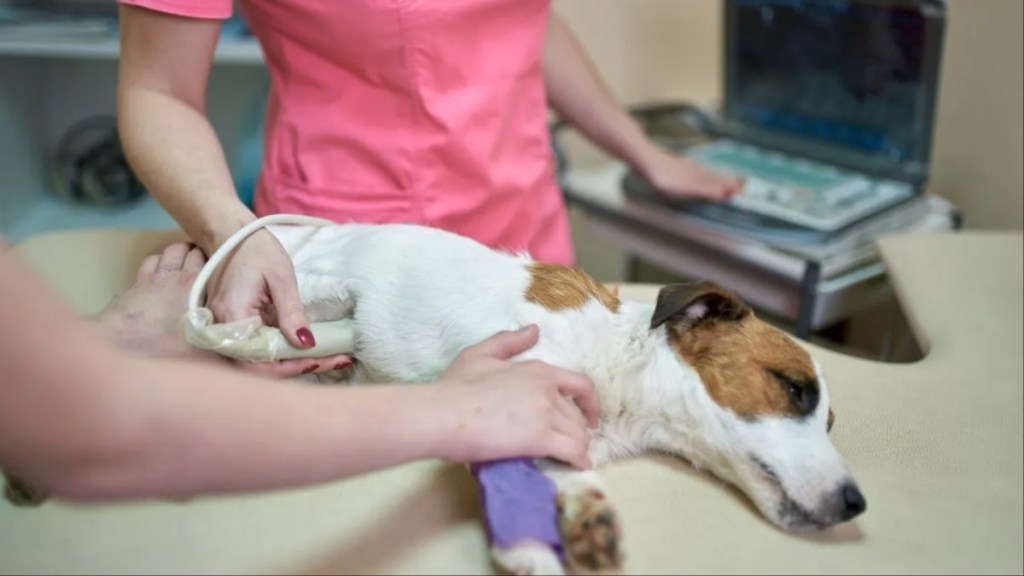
(827, 114)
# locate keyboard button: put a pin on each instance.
(847, 192)
(755, 188)
(785, 195)
(893, 189)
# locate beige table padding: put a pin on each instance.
(935, 445)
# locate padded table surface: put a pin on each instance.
(935, 445)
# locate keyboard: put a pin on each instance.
(799, 191)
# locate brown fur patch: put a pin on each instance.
(735, 359)
(558, 287)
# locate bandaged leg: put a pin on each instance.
(520, 515)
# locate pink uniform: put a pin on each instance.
(423, 111)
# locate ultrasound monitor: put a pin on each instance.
(847, 82)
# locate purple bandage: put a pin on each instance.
(519, 503)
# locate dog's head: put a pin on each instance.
(760, 417)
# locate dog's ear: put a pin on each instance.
(690, 304)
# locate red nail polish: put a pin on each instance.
(311, 369)
(306, 337)
(342, 365)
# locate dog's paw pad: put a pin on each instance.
(591, 533)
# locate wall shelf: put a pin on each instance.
(229, 50)
(48, 213)
(49, 58)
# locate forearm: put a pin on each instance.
(197, 430)
(578, 94)
(163, 72)
(142, 428)
(176, 153)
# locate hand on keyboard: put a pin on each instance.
(679, 176)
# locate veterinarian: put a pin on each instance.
(431, 112)
(90, 412)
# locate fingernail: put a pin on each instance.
(306, 337)
(312, 368)
(342, 365)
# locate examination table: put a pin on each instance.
(935, 445)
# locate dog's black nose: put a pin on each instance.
(853, 501)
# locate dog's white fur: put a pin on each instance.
(418, 296)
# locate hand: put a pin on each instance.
(258, 279)
(677, 175)
(507, 409)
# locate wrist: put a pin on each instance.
(631, 144)
(645, 158)
(423, 424)
(221, 225)
(445, 434)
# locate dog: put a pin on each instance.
(696, 374)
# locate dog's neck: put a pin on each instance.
(634, 364)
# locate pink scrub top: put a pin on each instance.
(417, 111)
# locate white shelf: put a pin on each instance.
(229, 50)
(49, 214)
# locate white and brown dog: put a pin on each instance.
(697, 374)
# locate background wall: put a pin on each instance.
(670, 49)
(978, 145)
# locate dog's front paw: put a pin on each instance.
(528, 559)
(590, 532)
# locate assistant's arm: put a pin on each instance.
(578, 94)
(100, 423)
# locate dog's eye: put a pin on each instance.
(795, 392)
(803, 396)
